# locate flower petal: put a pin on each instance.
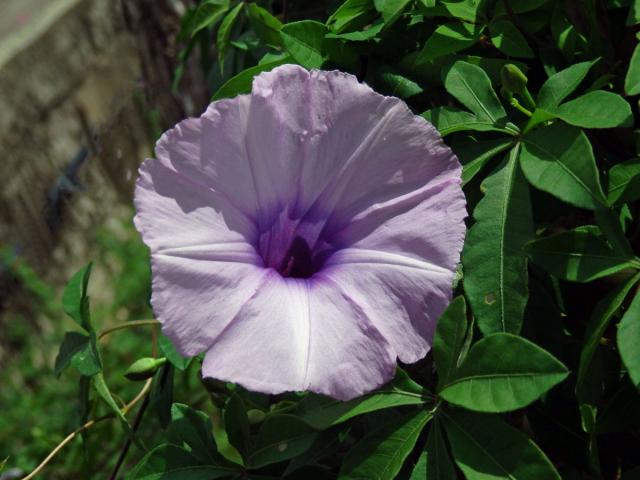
(398, 260)
(173, 212)
(204, 267)
(296, 334)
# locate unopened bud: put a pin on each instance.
(256, 416)
(513, 80)
(144, 368)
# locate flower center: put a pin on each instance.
(298, 262)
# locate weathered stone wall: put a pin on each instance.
(79, 98)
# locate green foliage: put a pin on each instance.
(541, 339)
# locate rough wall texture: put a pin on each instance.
(78, 103)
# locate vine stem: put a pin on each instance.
(121, 326)
(142, 394)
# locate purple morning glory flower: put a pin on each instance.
(305, 236)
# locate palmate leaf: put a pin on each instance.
(280, 438)
(632, 80)
(503, 372)
(577, 256)
(598, 109)
(508, 39)
(266, 26)
(486, 448)
(224, 33)
(322, 412)
(448, 38)
(75, 301)
(172, 462)
(448, 341)
(391, 9)
(380, 454)
(304, 40)
(81, 352)
(470, 85)
(241, 83)
(450, 120)
(624, 182)
(475, 155)
(629, 340)
(192, 429)
(236, 424)
(207, 14)
(600, 319)
(495, 265)
(349, 14)
(559, 160)
(434, 462)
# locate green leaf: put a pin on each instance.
(559, 160)
(207, 14)
(634, 13)
(266, 26)
(629, 340)
(224, 33)
(391, 9)
(281, 437)
(469, 10)
(560, 85)
(236, 424)
(598, 323)
(508, 39)
(193, 428)
(75, 301)
(632, 80)
(624, 182)
(104, 392)
(171, 462)
(503, 372)
(475, 155)
(380, 454)
(241, 83)
(358, 36)
(577, 256)
(388, 80)
(486, 448)
(169, 351)
(518, 6)
(448, 38)
(450, 120)
(435, 461)
(449, 339)
(350, 13)
(471, 86)
(304, 40)
(495, 265)
(80, 351)
(161, 398)
(598, 109)
(323, 412)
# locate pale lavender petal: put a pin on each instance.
(297, 334)
(204, 269)
(305, 235)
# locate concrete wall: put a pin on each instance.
(82, 85)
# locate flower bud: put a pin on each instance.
(256, 416)
(513, 80)
(144, 368)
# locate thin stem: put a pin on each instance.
(515, 104)
(89, 424)
(132, 324)
(127, 444)
(138, 420)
